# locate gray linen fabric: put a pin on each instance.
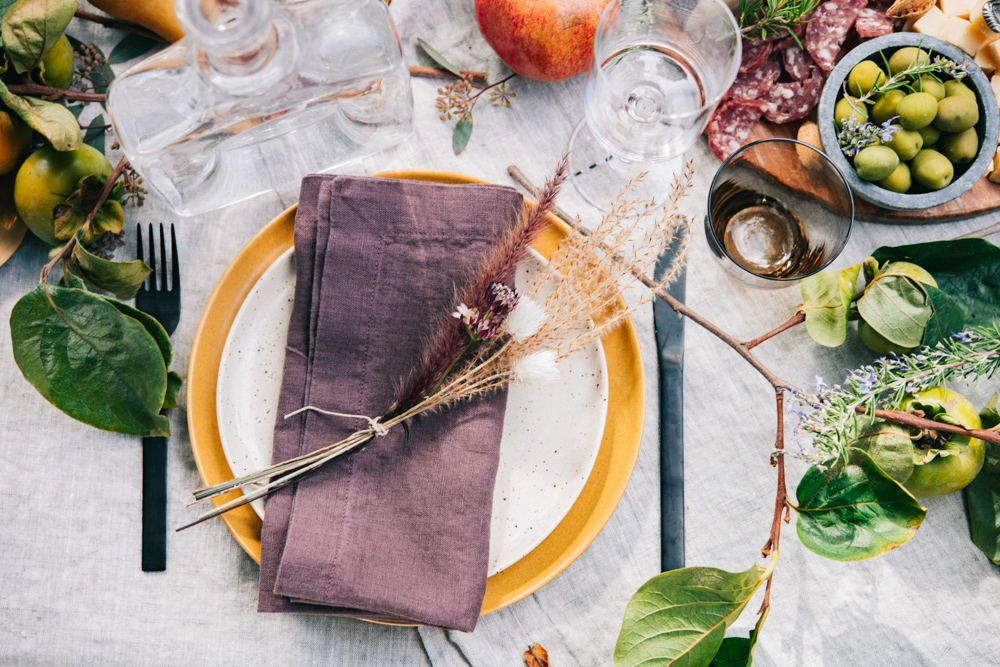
(71, 592)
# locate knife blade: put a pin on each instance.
(670, 345)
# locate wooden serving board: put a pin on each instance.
(982, 198)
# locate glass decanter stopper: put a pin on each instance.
(259, 94)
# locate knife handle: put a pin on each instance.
(154, 504)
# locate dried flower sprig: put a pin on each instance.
(854, 135)
(825, 416)
(585, 276)
(93, 68)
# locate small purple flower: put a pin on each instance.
(961, 336)
(867, 383)
(888, 130)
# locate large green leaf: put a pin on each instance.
(967, 269)
(680, 617)
(826, 301)
(947, 317)
(889, 445)
(155, 329)
(132, 46)
(123, 279)
(983, 494)
(463, 130)
(438, 59)
(90, 360)
(737, 651)
(32, 27)
(854, 511)
(54, 121)
(896, 308)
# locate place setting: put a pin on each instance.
(507, 421)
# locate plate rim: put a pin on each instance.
(587, 516)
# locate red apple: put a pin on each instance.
(546, 40)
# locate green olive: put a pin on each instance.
(904, 57)
(906, 143)
(956, 88)
(930, 135)
(899, 180)
(876, 162)
(917, 110)
(956, 114)
(885, 107)
(847, 106)
(929, 84)
(864, 76)
(932, 170)
(961, 147)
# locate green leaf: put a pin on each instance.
(889, 445)
(132, 46)
(54, 121)
(737, 651)
(70, 215)
(462, 133)
(947, 317)
(90, 361)
(826, 300)
(95, 136)
(155, 329)
(967, 269)
(174, 382)
(896, 308)
(441, 61)
(982, 496)
(123, 279)
(854, 511)
(680, 617)
(32, 27)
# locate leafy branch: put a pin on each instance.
(760, 19)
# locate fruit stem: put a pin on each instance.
(49, 93)
(909, 419)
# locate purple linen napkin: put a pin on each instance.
(399, 531)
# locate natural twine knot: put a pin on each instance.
(374, 425)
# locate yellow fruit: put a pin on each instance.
(155, 15)
(47, 178)
(15, 139)
(57, 65)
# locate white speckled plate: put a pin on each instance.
(552, 433)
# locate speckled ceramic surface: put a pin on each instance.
(966, 176)
(552, 433)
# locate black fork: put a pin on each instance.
(163, 302)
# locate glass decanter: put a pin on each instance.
(260, 93)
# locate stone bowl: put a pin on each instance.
(918, 198)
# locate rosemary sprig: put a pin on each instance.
(827, 414)
(918, 68)
(760, 19)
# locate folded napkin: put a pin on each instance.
(399, 531)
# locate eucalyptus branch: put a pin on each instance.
(50, 93)
(118, 24)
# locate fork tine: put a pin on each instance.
(174, 264)
(152, 259)
(163, 260)
(138, 251)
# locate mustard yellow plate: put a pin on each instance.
(585, 519)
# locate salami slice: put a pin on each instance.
(793, 101)
(731, 124)
(872, 22)
(754, 56)
(797, 62)
(828, 27)
(757, 83)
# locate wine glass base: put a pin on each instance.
(599, 175)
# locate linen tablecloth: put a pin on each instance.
(72, 593)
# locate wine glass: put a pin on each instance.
(660, 68)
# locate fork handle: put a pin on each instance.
(154, 504)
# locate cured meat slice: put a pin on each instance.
(872, 22)
(757, 83)
(731, 123)
(797, 62)
(754, 56)
(828, 27)
(793, 101)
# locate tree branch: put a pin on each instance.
(777, 459)
(796, 319)
(913, 421)
(117, 24)
(435, 73)
(50, 93)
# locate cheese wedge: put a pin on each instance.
(931, 23)
(995, 84)
(976, 16)
(988, 57)
(995, 176)
(959, 8)
(962, 34)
